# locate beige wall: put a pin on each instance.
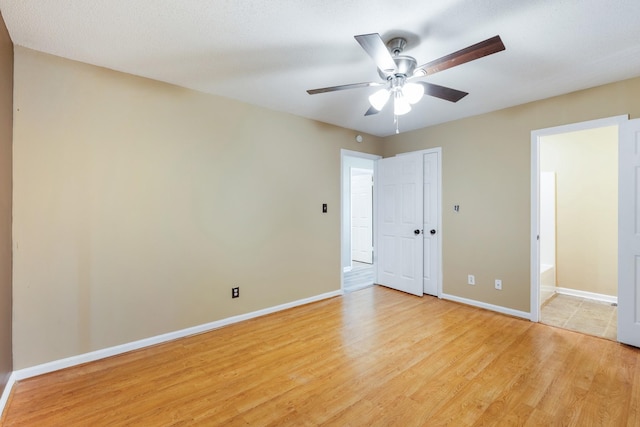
(6, 132)
(139, 205)
(586, 167)
(486, 170)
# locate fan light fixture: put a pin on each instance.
(398, 73)
(403, 96)
(379, 99)
(413, 92)
(400, 104)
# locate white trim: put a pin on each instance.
(146, 342)
(440, 229)
(535, 197)
(576, 127)
(351, 153)
(347, 269)
(546, 289)
(486, 306)
(589, 295)
(535, 226)
(7, 392)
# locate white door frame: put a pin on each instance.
(437, 150)
(344, 235)
(535, 196)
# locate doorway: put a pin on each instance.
(357, 257)
(428, 240)
(575, 261)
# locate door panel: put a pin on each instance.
(629, 234)
(431, 210)
(361, 216)
(400, 251)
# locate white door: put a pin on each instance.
(362, 215)
(400, 243)
(629, 234)
(431, 199)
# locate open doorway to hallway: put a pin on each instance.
(357, 259)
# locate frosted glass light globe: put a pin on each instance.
(379, 99)
(413, 92)
(400, 105)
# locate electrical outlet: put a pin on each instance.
(471, 279)
(499, 284)
(235, 292)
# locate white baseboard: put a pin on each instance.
(546, 292)
(7, 391)
(480, 304)
(146, 342)
(590, 295)
(546, 288)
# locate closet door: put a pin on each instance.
(400, 222)
(629, 234)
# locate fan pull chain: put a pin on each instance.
(395, 120)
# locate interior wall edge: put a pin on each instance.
(6, 204)
(6, 392)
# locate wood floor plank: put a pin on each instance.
(608, 399)
(372, 357)
(633, 418)
(535, 370)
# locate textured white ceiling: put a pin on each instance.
(268, 53)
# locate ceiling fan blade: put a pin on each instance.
(476, 51)
(371, 111)
(377, 50)
(442, 92)
(343, 87)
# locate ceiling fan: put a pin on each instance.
(400, 72)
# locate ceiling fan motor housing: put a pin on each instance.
(405, 66)
(396, 45)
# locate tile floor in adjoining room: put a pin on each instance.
(582, 315)
(359, 277)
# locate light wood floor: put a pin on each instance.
(374, 357)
